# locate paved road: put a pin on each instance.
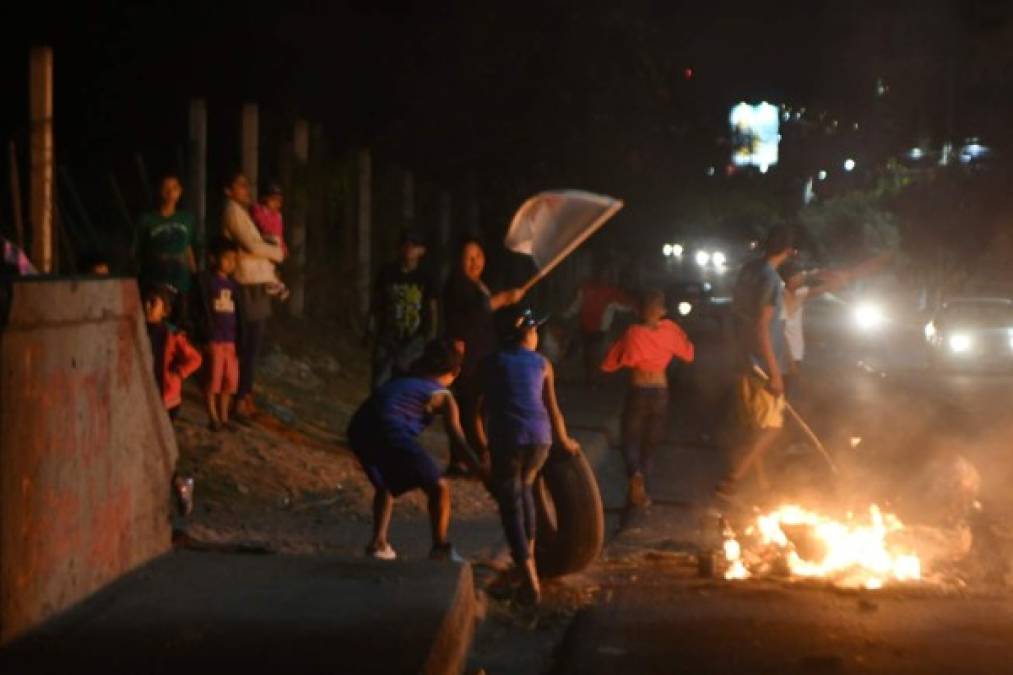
(659, 616)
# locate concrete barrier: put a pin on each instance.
(86, 449)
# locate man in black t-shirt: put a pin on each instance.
(403, 313)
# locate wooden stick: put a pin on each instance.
(806, 429)
(572, 246)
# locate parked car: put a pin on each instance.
(971, 332)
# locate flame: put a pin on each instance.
(851, 553)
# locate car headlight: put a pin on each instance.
(677, 250)
(719, 258)
(685, 308)
(869, 316)
(960, 343)
(666, 250)
(702, 258)
(930, 330)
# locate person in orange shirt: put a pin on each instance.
(596, 303)
(646, 349)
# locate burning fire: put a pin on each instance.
(851, 553)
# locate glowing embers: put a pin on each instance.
(851, 553)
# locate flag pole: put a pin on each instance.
(552, 264)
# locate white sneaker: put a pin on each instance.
(386, 552)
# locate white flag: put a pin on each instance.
(550, 225)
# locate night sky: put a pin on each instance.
(628, 98)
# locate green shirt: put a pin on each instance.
(163, 244)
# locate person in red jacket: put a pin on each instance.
(174, 358)
(596, 303)
(646, 349)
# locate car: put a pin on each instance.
(971, 332)
(694, 305)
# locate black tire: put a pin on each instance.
(571, 519)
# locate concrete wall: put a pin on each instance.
(86, 449)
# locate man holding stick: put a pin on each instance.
(758, 311)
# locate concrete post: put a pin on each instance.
(444, 235)
(40, 84)
(249, 135)
(408, 201)
(19, 223)
(297, 238)
(365, 231)
(198, 188)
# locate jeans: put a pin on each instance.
(467, 392)
(644, 420)
(253, 340)
(514, 470)
(391, 358)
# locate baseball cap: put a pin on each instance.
(514, 321)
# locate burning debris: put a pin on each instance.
(851, 553)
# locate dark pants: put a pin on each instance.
(467, 391)
(514, 470)
(644, 420)
(392, 358)
(593, 346)
(253, 341)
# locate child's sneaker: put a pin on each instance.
(385, 552)
(445, 552)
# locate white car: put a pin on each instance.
(971, 331)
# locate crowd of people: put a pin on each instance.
(223, 309)
(496, 392)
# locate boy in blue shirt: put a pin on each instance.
(384, 432)
(520, 419)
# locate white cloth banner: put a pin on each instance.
(550, 225)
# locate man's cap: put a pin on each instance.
(272, 190)
(412, 237)
(515, 320)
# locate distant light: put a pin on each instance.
(702, 258)
(719, 259)
(786, 116)
(855, 126)
(685, 308)
(972, 150)
(849, 164)
(882, 88)
(869, 317)
(677, 250)
(960, 343)
(916, 153)
(753, 244)
(822, 175)
(688, 73)
(710, 171)
(666, 250)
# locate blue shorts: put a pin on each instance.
(395, 466)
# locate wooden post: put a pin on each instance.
(365, 231)
(408, 201)
(19, 223)
(198, 188)
(142, 174)
(297, 231)
(446, 227)
(40, 79)
(249, 134)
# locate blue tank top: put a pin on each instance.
(512, 383)
(396, 411)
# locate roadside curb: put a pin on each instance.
(452, 644)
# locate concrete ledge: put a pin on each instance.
(206, 612)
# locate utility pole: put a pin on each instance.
(40, 84)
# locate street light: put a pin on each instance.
(822, 175)
(666, 250)
(849, 164)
